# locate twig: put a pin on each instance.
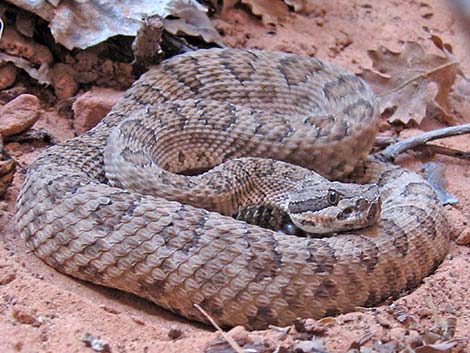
(435, 149)
(420, 76)
(229, 339)
(384, 141)
(392, 151)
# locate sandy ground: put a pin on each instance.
(42, 310)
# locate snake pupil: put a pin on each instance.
(333, 197)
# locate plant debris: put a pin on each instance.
(407, 83)
(146, 45)
(272, 11)
(191, 21)
(96, 344)
(421, 141)
(82, 24)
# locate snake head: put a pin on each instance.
(336, 208)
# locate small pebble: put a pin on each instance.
(175, 332)
(96, 344)
(464, 237)
(25, 318)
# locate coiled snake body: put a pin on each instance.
(84, 208)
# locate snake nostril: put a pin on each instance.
(372, 212)
(345, 214)
(361, 204)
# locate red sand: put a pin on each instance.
(42, 310)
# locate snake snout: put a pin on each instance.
(354, 210)
(362, 213)
(374, 211)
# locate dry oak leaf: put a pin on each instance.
(82, 24)
(410, 81)
(270, 11)
(191, 21)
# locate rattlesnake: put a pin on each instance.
(207, 107)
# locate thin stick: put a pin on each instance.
(384, 141)
(417, 77)
(392, 151)
(435, 149)
(229, 339)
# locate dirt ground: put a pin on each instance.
(42, 310)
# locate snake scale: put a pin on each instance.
(252, 115)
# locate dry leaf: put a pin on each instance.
(82, 24)
(360, 341)
(443, 327)
(410, 81)
(270, 11)
(192, 21)
(444, 347)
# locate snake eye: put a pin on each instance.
(333, 197)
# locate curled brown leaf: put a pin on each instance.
(270, 11)
(411, 81)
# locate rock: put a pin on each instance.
(240, 335)
(309, 346)
(464, 237)
(24, 317)
(247, 342)
(19, 114)
(92, 106)
(15, 44)
(7, 75)
(7, 275)
(97, 344)
(63, 80)
(175, 332)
